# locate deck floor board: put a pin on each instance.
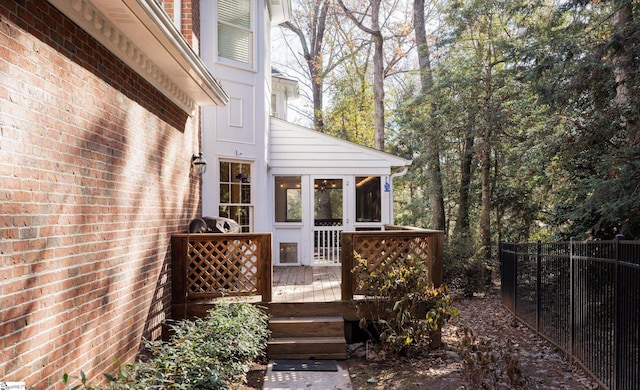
(306, 284)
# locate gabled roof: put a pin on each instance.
(143, 36)
(296, 149)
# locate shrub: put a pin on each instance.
(407, 311)
(464, 268)
(210, 353)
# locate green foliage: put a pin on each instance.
(577, 69)
(84, 385)
(406, 309)
(350, 114)
(465, 268)
(557, 87)
(487, 366)
(210, 353)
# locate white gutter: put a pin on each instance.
(143, 36)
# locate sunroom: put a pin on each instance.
(322, 186)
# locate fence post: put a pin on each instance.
(617, 345)
(571, 303)
(538, 283)
(515, 280)
(501, 260)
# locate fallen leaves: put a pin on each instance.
(539, 363)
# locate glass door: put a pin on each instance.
(328, 220)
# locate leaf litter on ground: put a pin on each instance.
(539, 364)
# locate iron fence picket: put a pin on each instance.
(508, 275)
(584, 297)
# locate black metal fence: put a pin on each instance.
(583, 296)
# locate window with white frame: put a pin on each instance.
(368, 199)
(288, 199)
(235, 31)
(274, 105)
(235, 193)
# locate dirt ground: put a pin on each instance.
(538, 364)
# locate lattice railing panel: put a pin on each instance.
(223, 266)
(380, 253)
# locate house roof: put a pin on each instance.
(143, 36)
(287, 84)
(296, 149)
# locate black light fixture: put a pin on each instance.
(199, 163)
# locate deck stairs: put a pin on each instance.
(301, 331)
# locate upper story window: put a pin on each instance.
(235, 31)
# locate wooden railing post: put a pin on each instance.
(347, 266)
(435, 268)
(178, 275)
(266, 269)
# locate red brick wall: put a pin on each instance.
(94, 179)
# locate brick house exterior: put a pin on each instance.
(103, 103)
(95, 176)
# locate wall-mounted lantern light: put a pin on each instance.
(199, 163)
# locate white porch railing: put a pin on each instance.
(326, 245)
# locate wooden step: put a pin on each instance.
(306, 309)
(307, 348)
(330, 326)
(306, 356)
(307, 331)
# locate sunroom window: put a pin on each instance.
(235, 31)
(368, 200)
(288, 199)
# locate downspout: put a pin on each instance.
(177, 14)
(394, 175)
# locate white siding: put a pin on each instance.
(299, 150)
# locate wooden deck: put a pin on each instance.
(297, 284)
(207, 267)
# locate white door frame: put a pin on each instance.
(328, 254)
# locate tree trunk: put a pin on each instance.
(436, 192)
(378, 67)
(436, 197)
(378, 76)
(462, 226)
(485, 169)
(622, 65)
(485, 211)
(316, 89)
(424, 61)
(312, 52)
(624, 71)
